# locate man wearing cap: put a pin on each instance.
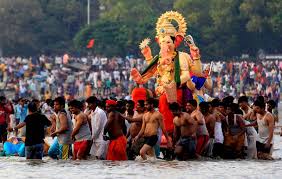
(114, 127)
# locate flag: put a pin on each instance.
(90, 43)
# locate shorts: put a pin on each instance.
(189, 146)
(3, 132)
(151, 140)
(202, 141)
(34, 151)
(80, 148)
(261, 148)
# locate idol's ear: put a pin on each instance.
(157, 40)
(178, 40)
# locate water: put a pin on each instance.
(15, 167)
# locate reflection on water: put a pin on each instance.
(15, 167)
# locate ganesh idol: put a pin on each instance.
(175, 71)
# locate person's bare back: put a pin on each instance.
(115, 125)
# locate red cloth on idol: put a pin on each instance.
(117, 149)
(167, 114)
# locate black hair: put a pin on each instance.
(193, 102)
(75, 103)
(204, 107)
(260, 104)
(151, 101)
(61, 100)
(174, 106)
(92, 100)
(272, 103)
(130, 102)
(32, 107)
(228, 99)
(243, 99)
(141, 103)
(215, 102)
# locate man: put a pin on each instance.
(81, 133)
(97, 120)
(244, 105)
(35, 124)
(152, 121)
(114, 127)
(234, 133)
(210, 124)
(20, 114)
(4, 118)
(265, 122)
(61, 144)
(202, 131)
(135, 127)
(185, 128)
(271, 107)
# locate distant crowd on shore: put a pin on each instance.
(46, 77)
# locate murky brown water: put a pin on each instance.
(15, 167)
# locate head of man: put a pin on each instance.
(21, 101)
(230, 108)
(3, 100)
(32, 107)
(204, 108)
(191, 105)
(221, 108)
(92, 103)
(140, 106)
(271, 105)
(149, 104)
(129, 105)
(243, 102)
(110, 105)
(259, 106)
(59, 103)
(37, 102)
(75, 106)
(175, 109)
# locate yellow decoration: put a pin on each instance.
(144, 43)
(164, 26)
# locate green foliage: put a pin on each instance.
(221, 28)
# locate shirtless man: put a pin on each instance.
(152, 120)
(210, 123)
(135, 127)
(114, 127)
(81, 133)
(185, 128)
(202, 132)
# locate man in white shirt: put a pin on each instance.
(98, 119)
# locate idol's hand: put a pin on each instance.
(147, 53)
(136, 76)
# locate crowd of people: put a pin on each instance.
(46, 77)
(114, 129)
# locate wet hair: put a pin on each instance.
(61, 100)
(260, 104)
(141, 103)
(75, 103)
(272, 103)
(204, 107)
(222, 104)
(215, 102)
(151, 101)
(260, 98)
(92, 100)
(32, 107)
(174, 106)
(193, 102)
(228, 99)
(130, 102)
(243, 99)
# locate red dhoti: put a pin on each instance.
(167, 114)
(117, 149)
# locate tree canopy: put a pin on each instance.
(221, 28)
